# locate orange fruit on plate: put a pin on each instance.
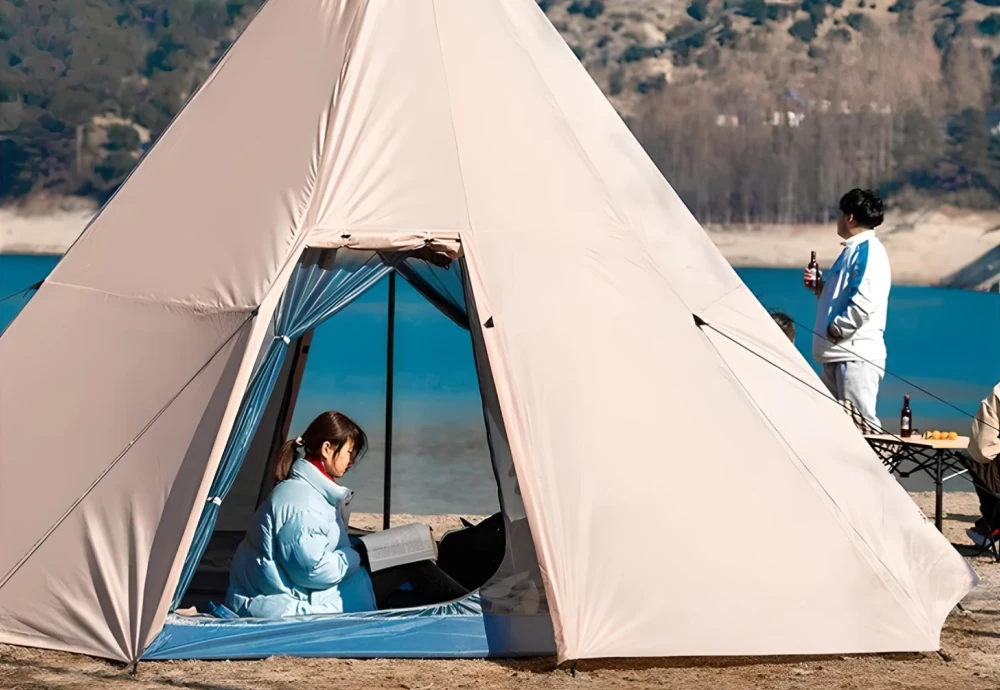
(953, 436)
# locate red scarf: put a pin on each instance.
(318, 464)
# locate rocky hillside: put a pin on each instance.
(634, 48)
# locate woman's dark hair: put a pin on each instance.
(330, 426)
(864, 205)
(785, 323)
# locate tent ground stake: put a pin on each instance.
(572, 670)
(132, 669)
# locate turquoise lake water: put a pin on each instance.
(945, 341)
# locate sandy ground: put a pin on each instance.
(925, 248)
(970, 659)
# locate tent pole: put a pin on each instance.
(389, 356)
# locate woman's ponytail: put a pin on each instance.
(286, 458)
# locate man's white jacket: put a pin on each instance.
(852, 308)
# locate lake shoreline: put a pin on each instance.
(924, 248)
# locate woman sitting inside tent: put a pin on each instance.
(297, 559)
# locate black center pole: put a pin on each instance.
(390, 347)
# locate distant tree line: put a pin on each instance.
(779, 142)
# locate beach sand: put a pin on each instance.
(925, 248)
(970, 659)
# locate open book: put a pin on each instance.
(399, 546)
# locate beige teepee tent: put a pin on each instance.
(684, 494)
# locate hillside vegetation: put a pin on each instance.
(756, 111)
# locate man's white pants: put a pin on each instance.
(855, 381)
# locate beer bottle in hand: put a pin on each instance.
(905, 418)
(811, 279)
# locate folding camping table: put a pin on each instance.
(914, 454)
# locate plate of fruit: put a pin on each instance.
(940, 435)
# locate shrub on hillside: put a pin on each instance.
(840, 35)
(778, 12)
(635, 53)
(903, 6)
(616, 82)
(122, 138)
(943, 33)
(651, 84)
(754, 9)
(698, 10)
(954, 7)
(590, 10)
(991, 25)
(989, 3)
(804, 30)
(859, 22)
(816, 9)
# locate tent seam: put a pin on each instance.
(200, 308)
(801, 466)
(335, 98)
(581, 149)
(451, 116)
(121, 456)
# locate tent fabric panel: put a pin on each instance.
(95, 584)
(88, 387)
(390, 162)
(631, 182)
(211, 213)
(908, 549)
(580, 489)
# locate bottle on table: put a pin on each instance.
(811, 279)
(906, 418)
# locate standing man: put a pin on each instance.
(853, 300)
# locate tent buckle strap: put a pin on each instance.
(285, 338)
(215, 499)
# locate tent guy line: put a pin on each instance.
(124, 452)
(701, 323)
(890, 373)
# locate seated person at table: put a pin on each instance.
(297, 559)
(984, 447)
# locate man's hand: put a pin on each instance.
(818, 287)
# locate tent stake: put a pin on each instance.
(389, 356)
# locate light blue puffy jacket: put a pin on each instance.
(297, 559)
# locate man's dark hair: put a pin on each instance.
(785, 323)
(864, 205)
